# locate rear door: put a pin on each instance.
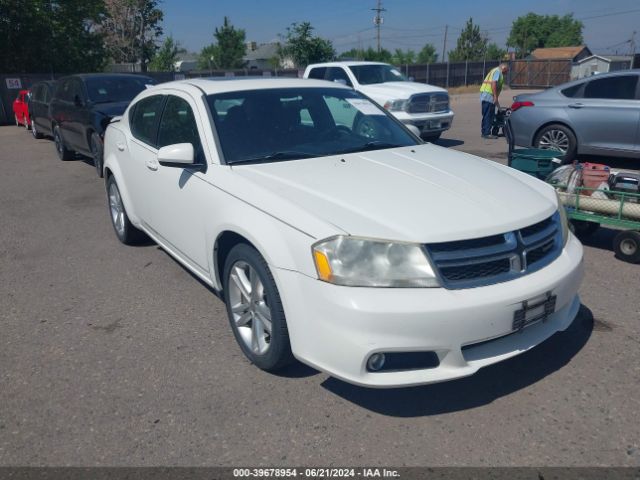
(606, 116)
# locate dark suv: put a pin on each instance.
(83, 106)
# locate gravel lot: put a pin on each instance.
(113, 355)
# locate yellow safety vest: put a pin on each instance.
(486, 85)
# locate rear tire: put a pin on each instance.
(97, 152)
(626, 245)
(255, 310)
(64, 153)
(125, 231)
(560, 138)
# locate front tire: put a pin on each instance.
(36, 134)
(97, 152)
(125, 231)
(626, 245)
(64, 153)
(560, 138)
(254, 309)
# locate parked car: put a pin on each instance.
(21, 109)
(370, 255)
(424, 106)
(83, 105)
(599, 115)
(41, 95)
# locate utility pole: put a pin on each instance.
(444, 45)
(377, 20)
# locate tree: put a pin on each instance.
(494, 52)
(207, 60)
(370, 55)
(166, 57)
(131, 28)
(51, 36)
(227, 51)
(427, 54)
(533, 31)
(303, 47)
(471, 44)
(401, 57)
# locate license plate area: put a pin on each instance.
(534, 310)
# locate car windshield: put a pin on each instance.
(370, 74)
(256, 126)
(115, 89)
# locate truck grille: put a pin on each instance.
(498, 258)
(429, 103)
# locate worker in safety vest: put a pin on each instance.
(489, 92)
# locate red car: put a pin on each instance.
(21, 108)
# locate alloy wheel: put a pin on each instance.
(117, 209)
(554, 140)
(250, 308)
(628, 247)
(33, 129)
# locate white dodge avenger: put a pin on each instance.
(335, 236)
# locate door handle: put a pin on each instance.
(151, 165)
(120, 146)
(576, 105)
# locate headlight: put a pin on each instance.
(396, 105)
(362, 262)
(563, 220)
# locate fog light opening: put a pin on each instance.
(376, 362)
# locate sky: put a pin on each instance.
(408, 24)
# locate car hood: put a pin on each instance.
(111, 109)
(397, 90)
(421, 194)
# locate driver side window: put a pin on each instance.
(178, 125)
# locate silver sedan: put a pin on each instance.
(599, 115)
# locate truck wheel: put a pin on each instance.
(626, 245)
(97, 153)
(63, 152)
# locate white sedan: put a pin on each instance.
(359, 251)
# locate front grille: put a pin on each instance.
(498, 258)
(429, 103)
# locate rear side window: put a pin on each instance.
(573, 92)
(144, 117)
(64, 90)
(338, 74)
(318, 73)
(621, 87)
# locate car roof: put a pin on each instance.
(617, 73)
(87, 76)
(231, 84)
(345, 63)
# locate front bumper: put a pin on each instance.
(336, 329)
(427, 122)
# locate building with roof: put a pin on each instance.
(263, 56)
(595, 64)
(575, 54)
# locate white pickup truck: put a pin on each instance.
(424, 106)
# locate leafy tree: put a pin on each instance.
(166, 57)
(208, 58)
(406, 57)
(130, 29)
(533, 31)
(303, 47)
(370, 55)
(471, 44)
(427, 54)
(230, 45)
(494, 52)
(51, 36)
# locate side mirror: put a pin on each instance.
(77, 101)
(177, 155)
(413, 129)
(341, 81)
(411, 79)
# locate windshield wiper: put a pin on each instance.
(276, 156)
(375, 145)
